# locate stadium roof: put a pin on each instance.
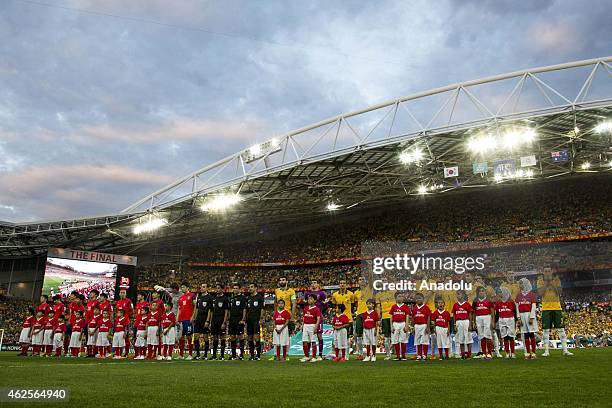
(387, 152)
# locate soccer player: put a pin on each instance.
(124, 303)
(26, 329)
(186, 310)
(36, 336)
(462, 315)
(340, 323)
(200, 326)
(384, 306)
(58, 306)
(153, 321)
(217, 321)
(168, 327)
(92, 332)
(399, 314)
(59, 332)
(103, 339)
(140, 343)
(237, 318)
(370, 319)
(311, 321)
(549, 289)
(360, 297)
(76, 304)
(254, 321)
(44, 305)
(280, 337)
(485, 321)
(50, 323)
(421, 318)
(441, 318)
(347, 298)
(526, 302)
(120, 334)
(91, 304)
(76, 336)
(321, 303)
(104, 304)
(289, 298)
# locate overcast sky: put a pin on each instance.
(101, 106)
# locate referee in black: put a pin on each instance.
(237, 317)
(217, 320)
(201, 328)
(254, 321)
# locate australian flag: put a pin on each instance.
(559, 156)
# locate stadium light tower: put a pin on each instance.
(221, 202)
(413, 156)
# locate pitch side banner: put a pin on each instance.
(67, 253)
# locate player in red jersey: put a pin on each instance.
(76, 336)
(462, 315)
(50, 323)
(153, 322)
(140, 342)
(441, 319)
(399, 334)
(168, 332)
(526, 302)
(504, 310)
(120, 334)
(186, 314)
(76, 304)
(370, 320)
(36, 336)
(58, 306)
(280, 337)
(26, 329)
(103, 340)
(59, 333)
(105, 304)
(311, 321)
(485, 322)
(125, 304)
(92, 332)
(421, 318)
(91, 304)
(340, 323)
(44, 305)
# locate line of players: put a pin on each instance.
(103, 326)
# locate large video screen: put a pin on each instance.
(63, 276)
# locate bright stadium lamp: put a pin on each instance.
(482, 144)
(255, 150)
(498, 178)
(151, 225)
(422, 189)
(585, 166)
(604, 127)
(221, 202)
(333, 206)
(407, 157)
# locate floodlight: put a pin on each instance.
(333, 206)
(604, 127)
(407, 157)
(151, 225)
(585, 166)
(221, 202)
(422, 189)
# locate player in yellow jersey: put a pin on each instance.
(385, 300)
(549, 289)
(345, 297)
(287, 294)
(361, 297)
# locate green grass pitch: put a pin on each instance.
(49, 283)
(556, 381)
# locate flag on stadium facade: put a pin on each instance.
(480, 168)
(559, 156)
(527, 161)
(504, 168)
(451, 171)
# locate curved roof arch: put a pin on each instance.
(478, 103)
